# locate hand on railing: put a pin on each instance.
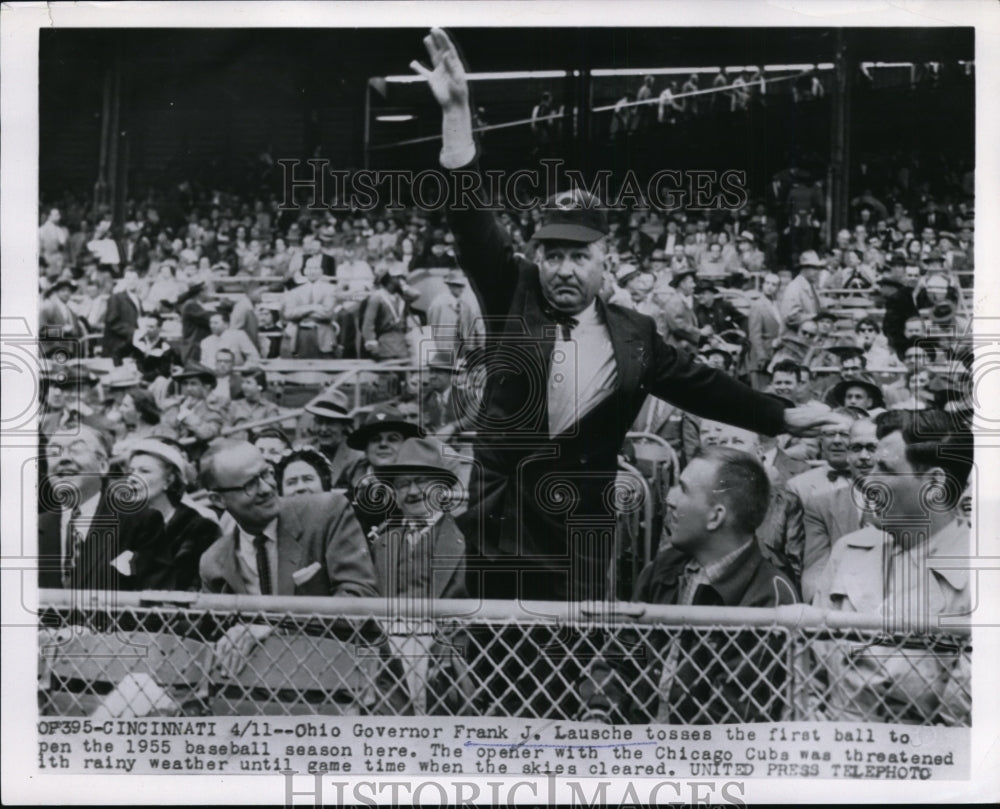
(233, 649)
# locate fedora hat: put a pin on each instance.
(573, 216)
(422, 456)
(456, 278)
(680, 275)
(195, 370)
(332, 406)
(382, 418)
(839, 390)
(62, 283)
(123, 376)
(809, 259)
(625, 273)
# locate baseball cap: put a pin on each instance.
(573, 216)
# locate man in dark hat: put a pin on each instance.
(379, 438)
(715, 314)
(859, 393)
(195, 416)
(326, 423)
(569, 376)
(59, 327)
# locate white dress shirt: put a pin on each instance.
(583, 372)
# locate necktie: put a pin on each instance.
(263, 565)
(74, 543)
(565, 321)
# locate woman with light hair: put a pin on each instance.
(160, 474)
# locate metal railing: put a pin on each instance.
(139, 654)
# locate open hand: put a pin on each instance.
(447, 79)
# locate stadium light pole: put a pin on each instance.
(840, 135)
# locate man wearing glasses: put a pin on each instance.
(835, 471)
(837, 512)
(306, 545)
(91, 537)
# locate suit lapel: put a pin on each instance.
(627, 347)
(289, 552)
(229, 567)
(448, 549)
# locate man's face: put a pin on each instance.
(251, 389)
(911, 275)
(861, 447)
(571, 274)
(328, 432)
(265, 317)
(438, 380)
(223, 364)
(130, 281)
(833, 443)
(270, 448)
(905, 486)
(55, 216)
(851, 259)
(710, 433)
(783, 383)
(915, 357)
(858, 397)
(412, 495)
(76, 461)
(241, 465)
(312, 271)
(455, 290)
(811, 274)
(824, 326)
(706, 297)
(770, 285)
(216, 324)
(63, 293)
(686, 285)
(383, 447)
(851, 367)
(194, 388)
(914, 328)
(689, 510)
(868, 334)
(738, 438)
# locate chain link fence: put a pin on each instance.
(176, 654)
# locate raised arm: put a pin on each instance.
(484, 248)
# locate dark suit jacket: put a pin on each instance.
(516, 503)
(112, 532)
(828, 517)
(188, 536)
(120, 323)
(720, 676)
(447, 562)
(311, 528)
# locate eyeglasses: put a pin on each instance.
(858, 448)
(252, 487)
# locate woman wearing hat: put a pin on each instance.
(161, 473)
(303, 471)
(379, 437)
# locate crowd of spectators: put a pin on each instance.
(182, 322)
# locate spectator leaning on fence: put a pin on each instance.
(906, 574)
(699, 677)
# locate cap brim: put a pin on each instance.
(360, 437)
(567, 233)
(394, 471)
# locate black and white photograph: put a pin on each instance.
(484, 403)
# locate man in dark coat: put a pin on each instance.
(700, 677)
(91, 537)
(567, 375)
(122, 317)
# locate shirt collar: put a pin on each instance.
(717, 570)
(589, 316)
(270, 531)
(88, 508)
